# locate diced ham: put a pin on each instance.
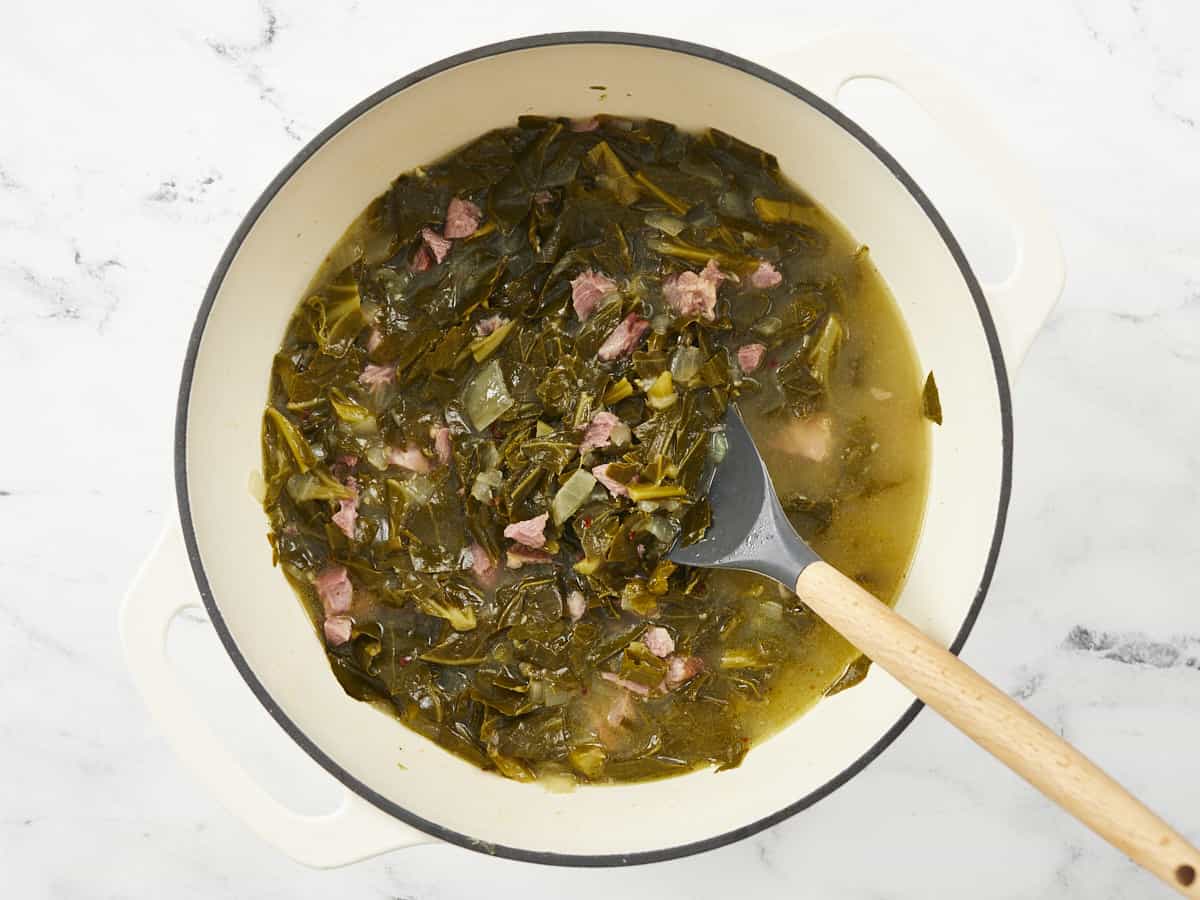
(659, 641)
(810, 437)
(765, 276)
(639, 689)
(347, 513)
(421, 260)
(576, 605)
(348, 460)
(337, 630)
(604, 429)
(589, 124)
(374, 376)
(623, 338)
(694, 295)
(484, 327)
(482, 565)
(542, 197)
(437, 244)
(588, 288)
(374, 339)
(529, 532)
(462, 218)
(410, 458)
(682, 669)
(750, 357)
(519, 556)
(441, 443)
(614, 487)
(622, 709)
(334, 588)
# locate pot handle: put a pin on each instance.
(1022, 302)
(354, 831)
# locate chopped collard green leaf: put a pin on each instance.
(490, 418)
(931, 403)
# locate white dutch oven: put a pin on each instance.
(964, 334)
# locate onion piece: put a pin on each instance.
(686, 363)
(485, 482)
(574, 491)
(666, 224)
(487, 398)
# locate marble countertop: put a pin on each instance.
(135, 136)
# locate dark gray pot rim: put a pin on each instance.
(525, 43)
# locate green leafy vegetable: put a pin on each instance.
(502, 495)
(931, 403)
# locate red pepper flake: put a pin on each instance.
(404, 660)
(587, 522)
(632, 535)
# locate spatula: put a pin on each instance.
(751, 532)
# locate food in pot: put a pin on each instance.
(490, 416)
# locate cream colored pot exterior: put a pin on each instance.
(255, 291)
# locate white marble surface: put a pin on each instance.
(136, 133)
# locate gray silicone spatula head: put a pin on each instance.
(749, 528)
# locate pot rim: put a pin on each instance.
(653, 42)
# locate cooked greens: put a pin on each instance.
(931, 402)
(490, 417)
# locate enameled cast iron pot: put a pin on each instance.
(969, 337)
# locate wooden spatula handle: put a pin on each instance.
(1001, 726)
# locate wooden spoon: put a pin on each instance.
(751, 532)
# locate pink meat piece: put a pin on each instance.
(347, 513)
(694, 295)
(681, 669)
(588, 288)
(462, 218)
(602, 431)
(484, 327)
(750, 357)
(374, 339)
(529, 532)
(659, 641)
(614, 487)
(346, 516)
(810, 437)
(410, 458)
(588, 124)
(437, 244)
(576, 605)
(421, 260)
(519, 556)
(441, 443)
(348, 460)
(765, 276)
(334, 588)
(543, 197)
(623, 338)
(482, 566)
(639, 689)
(374, 376)
(621, 711)
(337, 630)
